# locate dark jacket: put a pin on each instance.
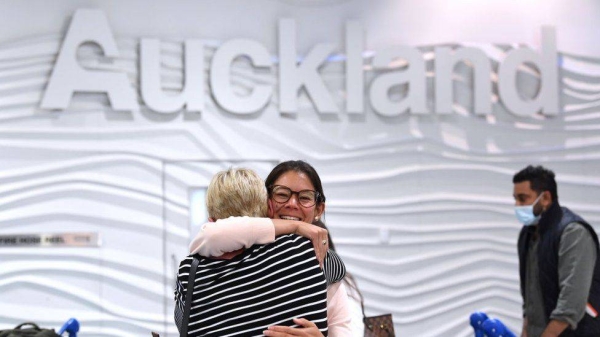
(550, 228)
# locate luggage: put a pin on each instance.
(28, 330)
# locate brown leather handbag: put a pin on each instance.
(379, 326)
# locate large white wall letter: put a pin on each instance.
(414, 76)
(192, 94)
(220, 80)
(68, 77)
(547, 98)
(293, 77)
(445, 61)
(355, 78)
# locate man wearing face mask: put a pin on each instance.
(560, 279)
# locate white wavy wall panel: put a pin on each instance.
(420, 206)
(118, 196)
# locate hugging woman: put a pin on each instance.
(295, 197)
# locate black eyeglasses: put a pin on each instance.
(306, 198)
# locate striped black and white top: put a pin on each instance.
(263, 286)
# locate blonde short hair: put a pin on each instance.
(236, 192)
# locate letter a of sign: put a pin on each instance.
(68, 76)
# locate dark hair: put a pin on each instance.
(297, 166)
(348, 279)
(540, 178)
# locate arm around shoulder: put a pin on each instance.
(231, 234)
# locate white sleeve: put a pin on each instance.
(338, 311)
(231, 234)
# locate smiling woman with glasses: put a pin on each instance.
(295, 192)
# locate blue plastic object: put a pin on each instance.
(71, 326)
(477, 319)
(495, 328)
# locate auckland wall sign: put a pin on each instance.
(69, 77)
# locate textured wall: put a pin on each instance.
(419, 206)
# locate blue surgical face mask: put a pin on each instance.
(525, 213)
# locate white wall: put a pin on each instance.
(419, 206)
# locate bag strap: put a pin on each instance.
(362, 307)
(188, 297)
(35, 326)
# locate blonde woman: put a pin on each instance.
(260, 288)
(296, 199)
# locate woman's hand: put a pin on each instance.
(307, 328)
(316, 234)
